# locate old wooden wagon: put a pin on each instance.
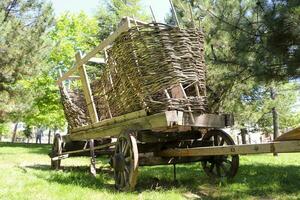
(147, 106)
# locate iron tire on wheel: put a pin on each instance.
(220, 166)
(56, 150)
(125, 162)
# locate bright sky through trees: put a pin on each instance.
(160, 7)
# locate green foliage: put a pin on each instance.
(244, 59)
(112, 11)
(27, 131)
(46, 109)
(72, 32)
(4, 129)
(23, 46)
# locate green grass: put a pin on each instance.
(25, 174)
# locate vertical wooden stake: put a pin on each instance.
(192, 17)
(87, 90)
(153, 16)
(174, 13)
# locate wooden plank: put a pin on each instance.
(274, 147)
(205, 120)
(66, 154)
(97, 60)
(124, 26)
(142, 123)
(290, 135)
(87, 90)
(106, 122)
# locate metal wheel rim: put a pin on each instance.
(220, 166)
(125, 180)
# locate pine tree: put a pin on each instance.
(23, 46)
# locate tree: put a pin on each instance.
(46, 109)
(112, 11)
(23, 46)
(241, 58)
(71, 33)
(4, 130)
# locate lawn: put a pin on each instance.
(25, 174)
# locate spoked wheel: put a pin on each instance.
(220, 166)
(125, 162)
(56, 150)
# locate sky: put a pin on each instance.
(159, 7)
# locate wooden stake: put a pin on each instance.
(192, 17)
(87, 90)
(174, 13)
(153, 16)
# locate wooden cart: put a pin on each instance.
(139, 139)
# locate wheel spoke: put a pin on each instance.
(216, 142)
(222, 142)
(126, 149)
(122, 179)
(125, 177)
(126, 169)
(124, 144)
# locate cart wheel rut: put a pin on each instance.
(220, 166)
(125, 161)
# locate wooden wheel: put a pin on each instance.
(220, 166)
(125, 162)
(56, 150)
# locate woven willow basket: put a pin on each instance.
(152, 67)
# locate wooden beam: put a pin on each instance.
(106, 122)
(273, 147)
(124, 26)
(87, 91)
(290, 135)
(205, 120)
(142, 123)
(97, 60)
(66, 154)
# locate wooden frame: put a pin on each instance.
(273, 147)
(124, 26)
(161, 122)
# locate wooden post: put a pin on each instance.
(275, 117)
(153, 16)
(243, 135)
(49, 136)
(13, 139)
(87, 90)
(174, 12)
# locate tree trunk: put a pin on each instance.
(13, 139)
(275, 118)
(49, 136)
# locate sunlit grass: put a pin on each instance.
(25, 174)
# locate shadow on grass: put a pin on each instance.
(258, 180)
(31, 147)
(77, 176)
